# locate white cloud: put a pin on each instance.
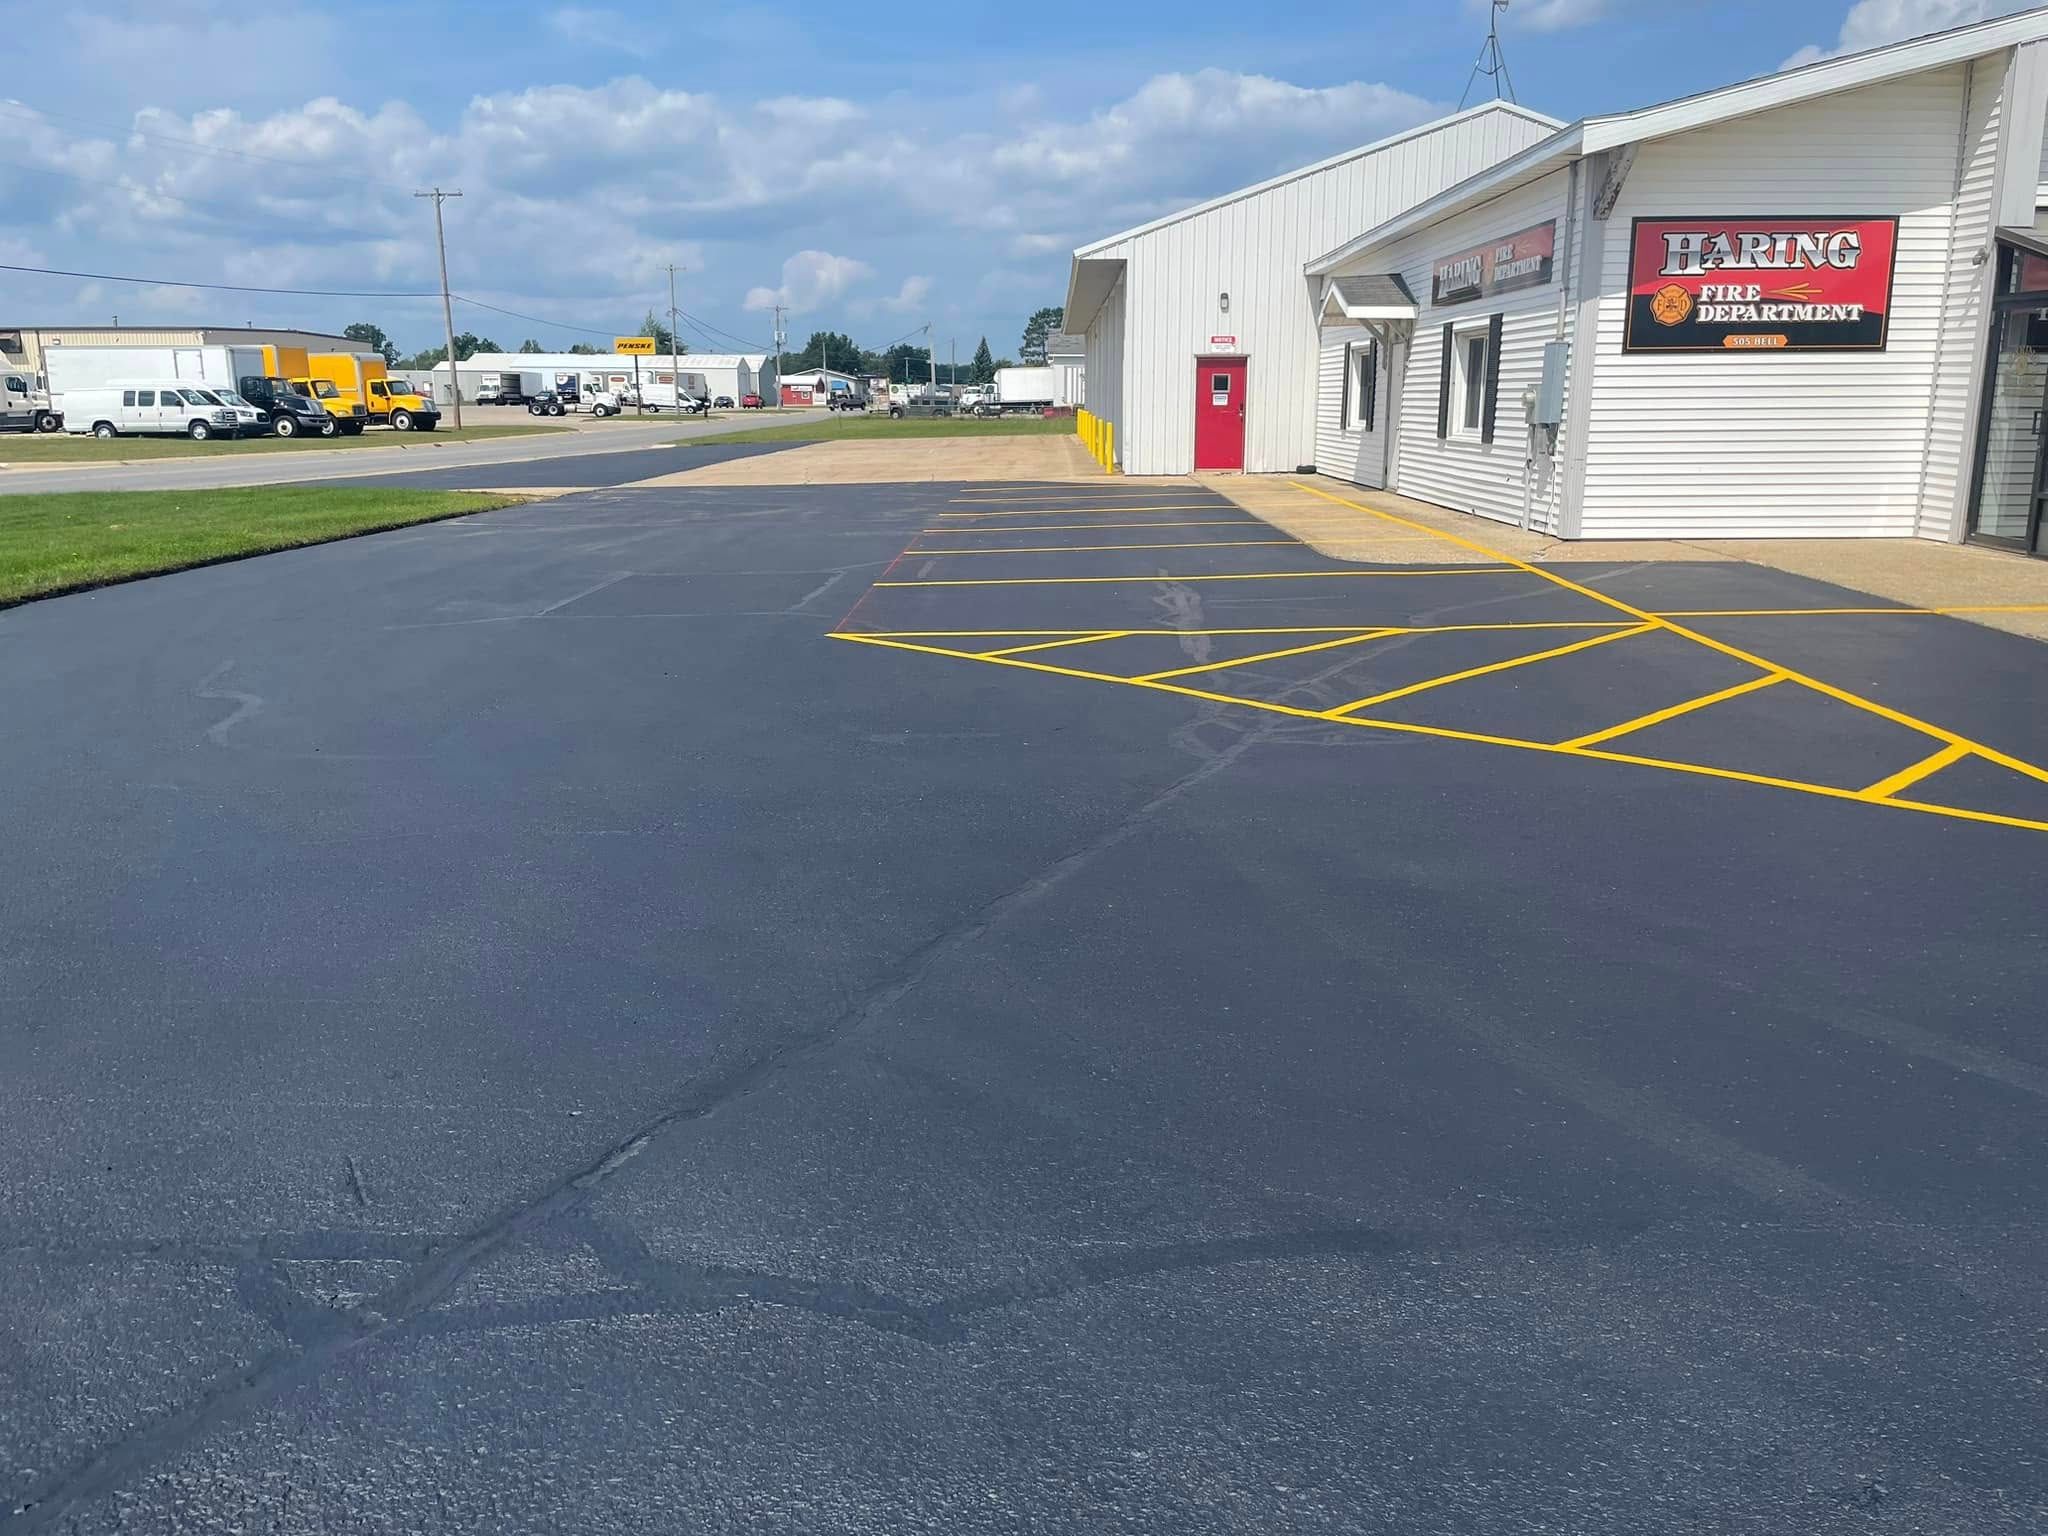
(1557, 15)
(810, 279)
(1873, 23)
(596, 27)
(911, 295)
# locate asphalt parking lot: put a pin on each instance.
(1014, 1007)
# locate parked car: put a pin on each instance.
(847, 400)
(921, 405)
(154, 409)
(722, 403)
(751, 402)
(546, 403)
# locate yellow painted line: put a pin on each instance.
(1496, 666)
(1206, 522)
(1245, 661)
(1293, 629)
(1800, 613)
(1907, 777)
(1086, 510)
(1884, 711)
(1658, 717)
(1049, 645)
(1081, 493)
(1096, 549)
(1081, 581)
(1828, 791)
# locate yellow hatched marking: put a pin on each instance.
(1659, 716)
(1245, 661)
(1096, 549)
(1292, 629)
(1826, 791)
(1884, 711)
(1496, 666)
(1907, 777)
(1178, 506)
(1075, 581)
(1051, 645)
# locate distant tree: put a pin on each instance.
(984, 370)
(1041, 325)
(1006, 362)
(665, 341)
(422, 360)
(827, 349)
(530, 345)
(907, 364)
(583, 349)
(373, 337)
(467, 345)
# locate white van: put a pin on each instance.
(154, 407)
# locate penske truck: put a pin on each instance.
(361, 378)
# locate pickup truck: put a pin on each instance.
(847, 400)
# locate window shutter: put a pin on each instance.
(1492, 378)
(1443, 386)
(1344, 393)
(1370, 409)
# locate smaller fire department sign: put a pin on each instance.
(1760, 285)
(1520, 260)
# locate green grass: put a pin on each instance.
(65, 448)
(846, 427)
(65, 542)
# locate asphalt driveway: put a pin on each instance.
(729, 1010)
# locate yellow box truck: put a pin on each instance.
(361, 377)
(292, 364)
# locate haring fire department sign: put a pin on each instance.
(1765, 284)
(1520, 260)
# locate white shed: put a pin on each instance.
(1812, 304)
(1217, 290)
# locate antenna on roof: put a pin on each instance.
(1491, 61)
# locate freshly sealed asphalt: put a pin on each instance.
(509, 1027)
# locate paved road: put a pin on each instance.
(350, 464)
(509, 1027)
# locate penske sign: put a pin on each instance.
(1760, 285)
(633, 346)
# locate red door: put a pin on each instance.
(1219, 412)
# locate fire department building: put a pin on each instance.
(1809, 305)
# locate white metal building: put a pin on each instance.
(710, 373)
(1812, 304)
(1067, 354)
(1224, 280)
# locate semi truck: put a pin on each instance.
(362, 378)
(24, 405)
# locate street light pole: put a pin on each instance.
(675, 364)
(447, 309)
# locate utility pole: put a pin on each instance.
(447, 309)
(779, 312)
(675, 356)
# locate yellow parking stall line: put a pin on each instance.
(1658, 717)
(1096, 549)
(1843, 695)
(1204, 522)
(1801, 613)
(1125, 492)
(1445, 733)
(1048, 645)
(1246, 661)
(1907, 777)
(1086, 510)
(1079, 581)
(1291, 629)
(1497, 666)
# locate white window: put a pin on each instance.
(1468, 381)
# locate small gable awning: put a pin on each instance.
(1376, 296)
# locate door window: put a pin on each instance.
(145, 397)
(127, 397)
(1219, 389)
(2013, 426)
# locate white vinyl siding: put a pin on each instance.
(1459, 470)
(1105, 365)
(1946, 488)
(1253, 247)
(1792, 444)
(1345, 448)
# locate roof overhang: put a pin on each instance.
(1089, 285)
(1369, 298)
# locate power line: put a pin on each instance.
(560, 325)
(171, 282)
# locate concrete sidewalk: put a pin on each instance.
(1986, 586)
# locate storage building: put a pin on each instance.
(1204, 313)
(709, 373)
(1813, 304)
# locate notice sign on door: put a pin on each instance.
(1520, 260)
(1765, 284)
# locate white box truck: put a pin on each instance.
(257, 373)
(1018, 390)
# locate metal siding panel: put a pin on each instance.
(1800, 445)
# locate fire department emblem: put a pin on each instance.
(1670, 305)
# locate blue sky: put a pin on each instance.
(874, 167)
